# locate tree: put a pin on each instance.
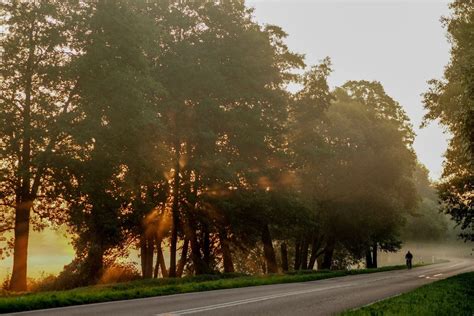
(116, 132)
(222, 106)
(451, 101)
(308, 151)
(37, 90)
(367, 179)
(425, 223)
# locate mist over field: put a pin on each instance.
(428, 252)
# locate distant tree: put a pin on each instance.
(451, 101)
(368, 176)
(425, 223)
(308, 149)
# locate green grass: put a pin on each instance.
(158, 287)
(452, 296)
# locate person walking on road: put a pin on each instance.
(409, 258)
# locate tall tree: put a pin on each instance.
(451, 101)
(118, 117)
(37, 90)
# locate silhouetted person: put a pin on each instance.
(409, 258)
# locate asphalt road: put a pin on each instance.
(323, 297)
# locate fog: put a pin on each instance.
(428, 252)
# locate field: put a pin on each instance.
(452, 296)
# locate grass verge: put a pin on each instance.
(158, 287)
(452, 296)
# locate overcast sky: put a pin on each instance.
(402, 44)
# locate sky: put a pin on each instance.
(402, 44)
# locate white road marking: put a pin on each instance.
(246, 301)
(421, 276)
(455, 265)
(437, 275)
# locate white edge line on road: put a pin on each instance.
(247, 301)
(436, 275)
(421, 276)
(455, 265)
(374, 302)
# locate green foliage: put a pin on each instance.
(363, 180)
(451, 101)
(452, 296)
(426, 222)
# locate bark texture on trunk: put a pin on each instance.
(268, 250)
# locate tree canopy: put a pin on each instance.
(451, 101)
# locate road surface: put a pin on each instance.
(323, 297)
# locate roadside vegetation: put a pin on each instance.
(452, 296)
(15, 302)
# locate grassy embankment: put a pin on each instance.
(157, 287)
(452, 296)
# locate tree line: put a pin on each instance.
(451, 102)
(168, 127)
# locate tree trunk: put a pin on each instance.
(206, 248)
(20, 254)
(368, 258)
(143, 254)
(196, 257)
(160, 260)
(226, 253)
(304, 254)
(183, 259)
(175, 218)
(315, 253)
(147, 248)
(94, 264)
(284, 257)
(328, 253)
(24, 198)
(374, 255)
(297, 255)
(319, 261)
(268, 250)
(156, 269)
